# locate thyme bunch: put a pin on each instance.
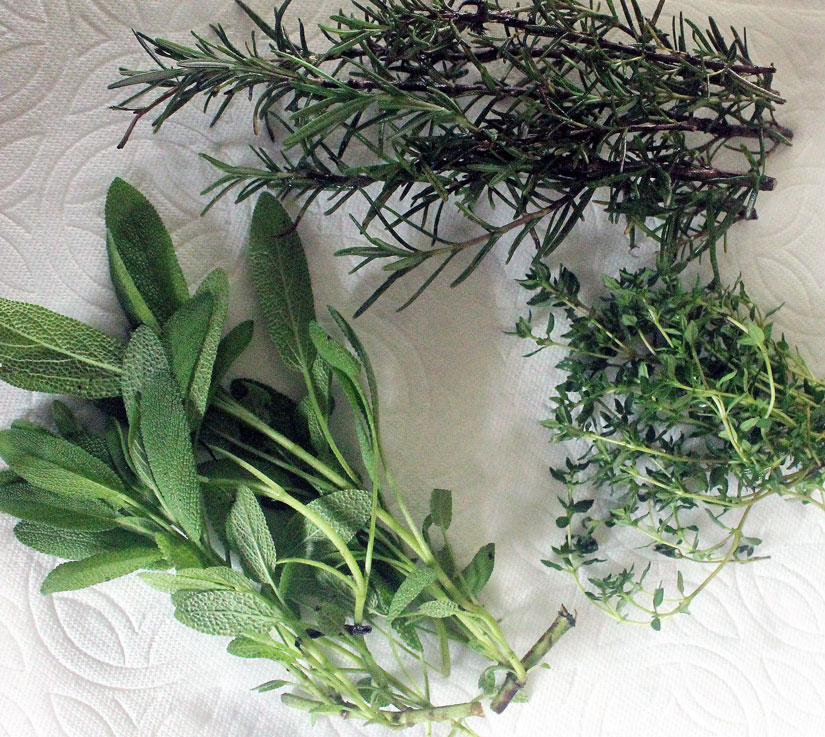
(425, 108)
(686, 411)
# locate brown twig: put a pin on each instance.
(676, 57)
(511, 686)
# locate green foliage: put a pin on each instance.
(232, 345)
(56, 465)
(145, 357)
(191, 338)
(430, 109)
(279, 272)
(410, 589)
(99, 568)
(183, 337)
(691, 412)
(226, 612)
(192, 477)
(144, 269)
(438, 609)
(247, 647)
(247, 529)
(27, 502)
(73, 544)
(441, 508)
(331, 351)
(216, 285)
(479, 569)
(346, 511)
(165, 435)
(199, 579)
(46, 352)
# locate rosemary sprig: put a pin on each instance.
(240, 502)
(689, 412)
(424, 108)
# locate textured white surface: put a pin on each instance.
(461, 408)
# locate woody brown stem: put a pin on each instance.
(511, 686)
(511, 21)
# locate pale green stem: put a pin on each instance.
(235, 410)
(322, 420)
(275, 491)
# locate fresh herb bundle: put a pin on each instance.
(423, 107)
(689, 412)
(275, 537)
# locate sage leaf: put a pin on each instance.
(280, 276)
(441, 508)
(73, 544)
(165, 435)
(361, 352)
(145, 271)
(478, 572)
(226, 613)
(333, 352)
(321, 374)
(246, 647)
(27, 502)
(346, 511)
(216, 285)
(232, 345)
(178, 551)
(438, 609)
(117, 447)
(309, 427)
(217, 503)
(65, 420)
(44, 351)
(145, 357)
(57, 465)
(248, 529)
(198, 579)
(406, 630)
(99, 568)
(183, 337)
(409, 589)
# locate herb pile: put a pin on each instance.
(427, 108)
(689, 412)
(240, 502)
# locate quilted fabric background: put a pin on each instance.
(461, 412)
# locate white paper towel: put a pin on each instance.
(461, 407)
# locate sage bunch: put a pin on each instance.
(432, 110)
(237, 500)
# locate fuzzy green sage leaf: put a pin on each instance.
(144, 268)
(281, 278)
(44, 351)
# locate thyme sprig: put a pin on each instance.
(424, 108)
(689, 411)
